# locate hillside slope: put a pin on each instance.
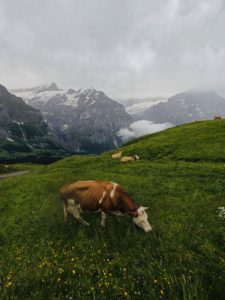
(197, 141)
(183, 258)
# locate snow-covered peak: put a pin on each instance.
(42, 95)
(92, 92)
(37, 89)
(48, 87)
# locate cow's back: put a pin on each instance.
(88, 194)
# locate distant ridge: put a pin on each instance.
(84, 120)
(186, 107)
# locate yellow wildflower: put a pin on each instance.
(8, 284)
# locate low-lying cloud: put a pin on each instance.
(140, 128)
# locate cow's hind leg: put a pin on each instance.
(75, 211)
(66, 213)
(104, 216)
(82, 221)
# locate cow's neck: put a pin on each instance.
(129, 204)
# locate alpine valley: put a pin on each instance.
(84, 121)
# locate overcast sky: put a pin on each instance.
(127, 48)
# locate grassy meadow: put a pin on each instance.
(10, 168)
(180, 176)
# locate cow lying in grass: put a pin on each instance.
(125, 159)
(104, 197)
(132, 158)
(117, 155)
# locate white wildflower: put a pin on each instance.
(221, 212)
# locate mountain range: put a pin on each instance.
(186, 107)
(47, 118)
(83, 120)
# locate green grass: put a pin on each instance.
(184, 256)
(10, 168)
(197, 141)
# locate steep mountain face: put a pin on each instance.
(187, 107)
(83, 120)
(23, 131)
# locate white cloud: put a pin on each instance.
(140, 128)
(127, 48)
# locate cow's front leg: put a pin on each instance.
(104, 216)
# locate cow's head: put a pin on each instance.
(141, 219)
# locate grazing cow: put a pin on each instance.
(129, 158)
(101, 196)
(117, 155)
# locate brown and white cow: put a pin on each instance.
(104, 197)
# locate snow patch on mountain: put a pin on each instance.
(42, 95)
(9, 139)
(84, 119)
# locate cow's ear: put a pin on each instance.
(145, 208)
(133, 213)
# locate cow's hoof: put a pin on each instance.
(86, 223)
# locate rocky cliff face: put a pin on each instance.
(22, 129)
(187, 107)
(83, 120)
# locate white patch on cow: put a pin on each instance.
(142, 220)
(80, 209)
(70, 201)
(100, 201)
(75, 210)
(112, 193)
